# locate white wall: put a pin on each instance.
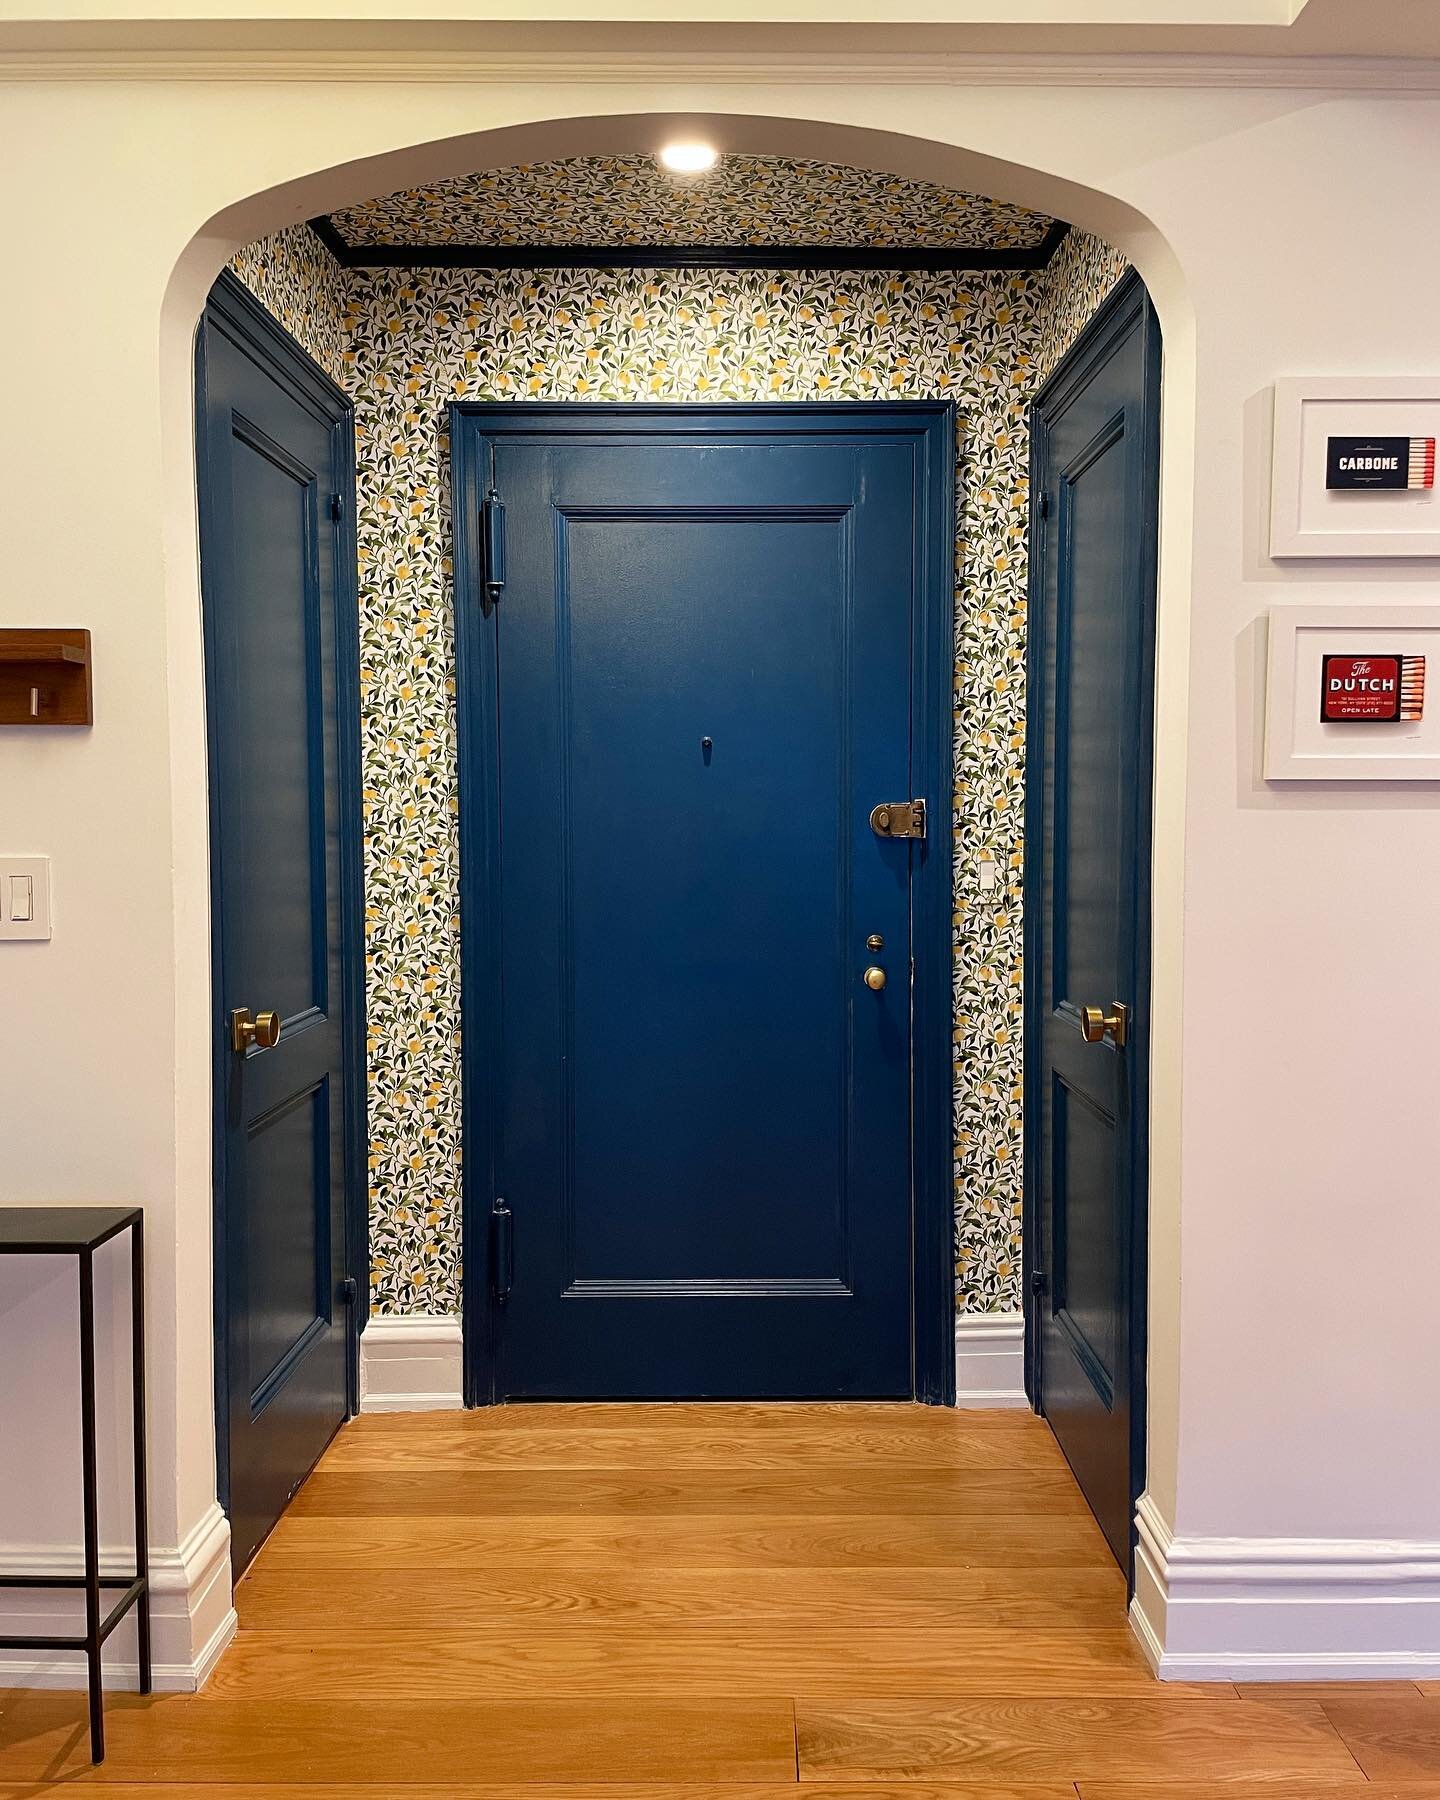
(1292, 1356)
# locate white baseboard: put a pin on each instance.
(411, 1363)
(191, 1616)
(990, 1359)
(1284, 1609)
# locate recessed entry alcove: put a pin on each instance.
(438, 314)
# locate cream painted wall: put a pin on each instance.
(1291, 1355)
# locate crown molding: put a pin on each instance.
(1311, 74)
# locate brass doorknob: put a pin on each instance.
(1096, 1024)
(262, 1032)
(875, 979)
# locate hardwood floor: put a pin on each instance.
(707, 1603)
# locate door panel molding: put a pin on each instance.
(474, 425)
(819, 1287)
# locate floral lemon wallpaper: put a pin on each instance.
(753, 200)
(298, 282)
(413, 340)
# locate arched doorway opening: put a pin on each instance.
(994, 1274)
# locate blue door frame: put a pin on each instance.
(930, 426)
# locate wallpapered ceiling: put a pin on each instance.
(407, 343)
(743, 200)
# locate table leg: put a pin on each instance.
(137, 1392)
(92, 1505)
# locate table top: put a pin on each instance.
(52, 1230)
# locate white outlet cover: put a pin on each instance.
(24, 898)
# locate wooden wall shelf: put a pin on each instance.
(45, 677)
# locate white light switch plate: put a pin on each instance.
(24, 897)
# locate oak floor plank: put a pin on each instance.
(708, 1660)
(1273, 1692)
(1134, 1740)
(455, 1444)
(278, 1596)
(215, 1738)
(465, 1790)
(829, 1490)
(1392, 1740)
(539, 1541)
(1354, 1788)
(743, 1417)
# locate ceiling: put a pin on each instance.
(1047, 28)
(749, 203)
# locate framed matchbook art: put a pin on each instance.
(1353, 471)
(1346, 696)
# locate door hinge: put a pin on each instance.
(337, 507)
(349, 1290)
(492, 543)
(898, 819)
(502, 1249)
(1037, 1282)
(1044, 505)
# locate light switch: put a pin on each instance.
(989, 875)
(24, 897)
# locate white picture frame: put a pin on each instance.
(1306, 519)
(1299, 746)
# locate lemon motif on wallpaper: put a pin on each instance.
(404, 343)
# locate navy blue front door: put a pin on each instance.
(1087, 833)
(277, 562)
(693, 687)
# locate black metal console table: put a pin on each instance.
(79, 1231)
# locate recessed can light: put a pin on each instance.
(689, 159)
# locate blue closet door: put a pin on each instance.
(1087, 829)
(692, 690)
(277, 562)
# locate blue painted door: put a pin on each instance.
(693, 689)
(1096, 437)
(274, 450)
